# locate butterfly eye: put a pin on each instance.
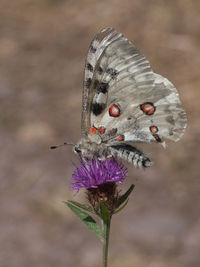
(77, 149)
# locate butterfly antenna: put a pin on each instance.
(64, 144)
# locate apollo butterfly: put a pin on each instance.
(125, 102)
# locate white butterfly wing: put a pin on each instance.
(167, 121)
(124, 99)
(95, 53)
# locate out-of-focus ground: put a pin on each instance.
(43, 44)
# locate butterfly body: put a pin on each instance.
(88, 149)
(125, 102)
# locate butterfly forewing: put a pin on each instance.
(96, 49)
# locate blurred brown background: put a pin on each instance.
(43, 44)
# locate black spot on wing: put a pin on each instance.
(157, 137)
(92, 49)
(96, 84)
(170, 119)
(89, 67)
(97, 108)
(103, 88)
(113, 73)
(88, 82)
(112, 132)
(100, 70)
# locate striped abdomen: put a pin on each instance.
(131, 154)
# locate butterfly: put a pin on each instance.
(124, 102)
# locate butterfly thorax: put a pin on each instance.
(89, 148)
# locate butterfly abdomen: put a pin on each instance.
(131, 154)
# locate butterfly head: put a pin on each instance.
(77, 149)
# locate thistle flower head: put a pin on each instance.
(95, 172)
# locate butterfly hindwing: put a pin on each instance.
(156, 117)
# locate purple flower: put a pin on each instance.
(95, 172)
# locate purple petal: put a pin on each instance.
(95, 172)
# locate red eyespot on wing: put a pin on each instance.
(153, 129)
(148, 108)
(93, 130)
(101, 130)
(114, 111)
(120, 138)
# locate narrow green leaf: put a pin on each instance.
(87, 220)
(122, 207)
(77, 204)
(125, 195)
(105, 214)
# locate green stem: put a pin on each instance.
(106, 232)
